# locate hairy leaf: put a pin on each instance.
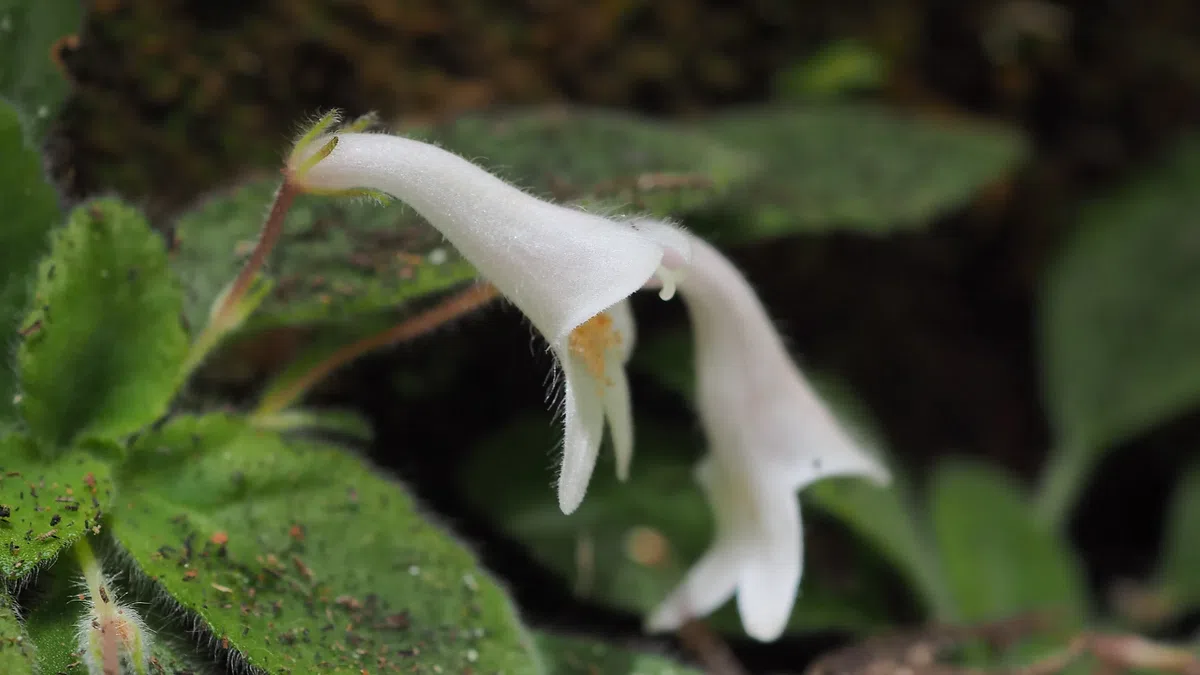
(102, 351)
(629, 544)
(294, 555)
(46, 506)
(31, 211)
(856, 167)
(996, 558)
(29, 76)
(16, 651)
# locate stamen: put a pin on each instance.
(591, 342)
(669, 278)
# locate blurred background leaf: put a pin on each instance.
(853, 166)
(1120, 330)
(997, 560)
(571, 655)
(606, 159)
(888, 518)
(1178, 575)
(837, 70)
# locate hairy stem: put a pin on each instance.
(269, 236)
(93, 571)
(229, 313)
(465, 302)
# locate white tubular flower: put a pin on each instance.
(567, 270)
(769, 436)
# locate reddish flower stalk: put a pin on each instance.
(457, 305)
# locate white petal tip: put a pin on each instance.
(665, 619)
(878, 474)
(570, 497)
(765, 621)
(767, 633)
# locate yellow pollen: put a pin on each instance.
(591, 341)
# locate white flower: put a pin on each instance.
(769, 436)
(565, 269)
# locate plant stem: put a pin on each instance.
(709, 649)
(226, 317)
(269, 236)
(1063, 477)
(92, 571)
(456, 306)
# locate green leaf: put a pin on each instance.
(46, 506)
(338, 259)
(28, 74)
(297, 556)
(836, 70)
(31, 206)
(104, 347)
(629, 544)
(1178, 569)
(1120, 330)
(848, 166)
(53, 620)
(998, 561)
(596, 156)
(344, 423)
(570, 655)
(16, 650)
(889, 520)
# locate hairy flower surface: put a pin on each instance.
(567, 270)
(769, 436)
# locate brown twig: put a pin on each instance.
(915, 652)
(710, 649)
